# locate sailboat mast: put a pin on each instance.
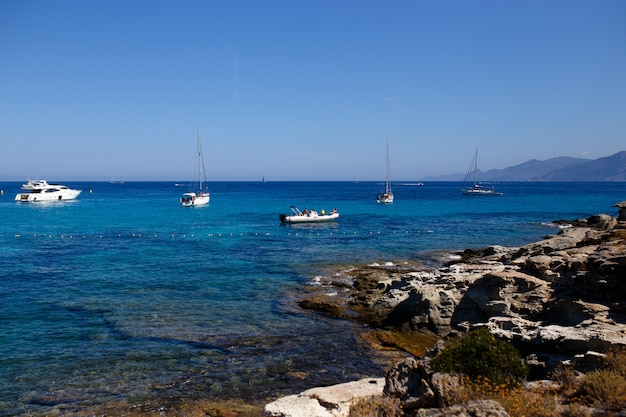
(387, 174)
(475, 165)
(201, 173)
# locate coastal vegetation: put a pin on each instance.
(566, 394)
(605, 387)
(479, 354)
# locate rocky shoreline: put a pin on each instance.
(559, 300)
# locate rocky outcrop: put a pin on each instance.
(556, 299)
(562, 299)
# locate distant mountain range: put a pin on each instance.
(562, 168)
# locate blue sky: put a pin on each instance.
(305, 90)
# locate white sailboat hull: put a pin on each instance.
(195, 200)
(385, 198)
(475, 188)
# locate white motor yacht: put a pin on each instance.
(41, 190)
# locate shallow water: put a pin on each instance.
(122, 295)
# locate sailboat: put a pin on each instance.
(200, 197)
(386, 197)
(474, 188)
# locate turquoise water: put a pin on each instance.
(124, 296)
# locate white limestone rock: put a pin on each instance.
(332, 401)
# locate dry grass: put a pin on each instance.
(616, 360)
(566, 377)
(517, 401)
(605, 388)
(377, 406)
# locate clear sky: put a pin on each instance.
(305, 90)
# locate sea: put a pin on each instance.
(124, 297)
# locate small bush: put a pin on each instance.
(604, 388)
(377, 406)
(616, 360)
(525, 403)
(566, 377)
(479, 353)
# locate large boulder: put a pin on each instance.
(417, 387)
(409, 381)
(506, 293)
(602, 221)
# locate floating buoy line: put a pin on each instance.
(169, 235)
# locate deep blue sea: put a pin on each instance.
(124, 296)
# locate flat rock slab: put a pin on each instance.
(333, 401)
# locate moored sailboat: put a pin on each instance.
(472, 186)
(200, 197)
(386, 197)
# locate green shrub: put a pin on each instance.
(479, 353)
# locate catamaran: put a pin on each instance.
(473, 187)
